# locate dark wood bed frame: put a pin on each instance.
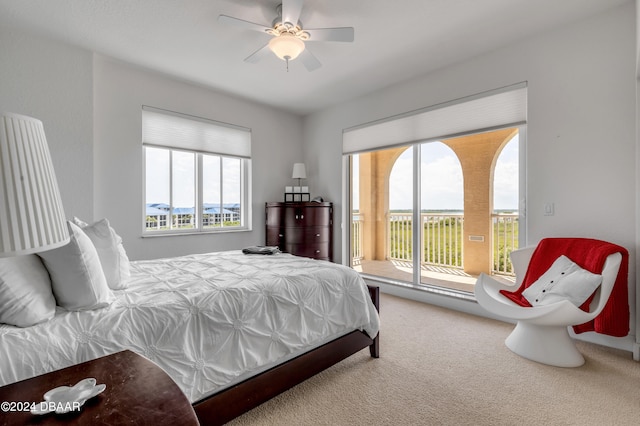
(228, 404)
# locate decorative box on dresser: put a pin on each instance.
(304, 229)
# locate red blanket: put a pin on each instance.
(589, 254)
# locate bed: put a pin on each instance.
(232, 330)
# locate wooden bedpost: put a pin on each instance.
(374, 292)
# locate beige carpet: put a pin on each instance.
(441, 367)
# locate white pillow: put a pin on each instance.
(25, 291)
(564, 280)
(113, 257)
(76, 274)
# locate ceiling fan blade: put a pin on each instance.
(291, 10)
(309, 61)
(230, 20)
(345, 34)
(258, 55)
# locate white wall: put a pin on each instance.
(120, 90)
(581, 146)
(99, 163)
(53, 83)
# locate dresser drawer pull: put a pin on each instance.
(317, 235)
(280, 235)
(317, 251)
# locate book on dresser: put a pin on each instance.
(304, 229)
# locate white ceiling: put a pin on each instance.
(394, 40)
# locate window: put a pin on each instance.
(196, 174)
(426, 208)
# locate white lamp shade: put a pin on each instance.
(31, 215)
(299, 171)
(286, 46)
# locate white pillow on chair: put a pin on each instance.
(77, 278)
(564, 280)
(25, 291)
(113, 258)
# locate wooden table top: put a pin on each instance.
(138, 392)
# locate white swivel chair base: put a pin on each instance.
(551, 345)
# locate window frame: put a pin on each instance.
(347, 199)
(491, 110)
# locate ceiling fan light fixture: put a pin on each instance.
(288, 35)
(286, 46)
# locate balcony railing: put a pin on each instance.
(357, 242)
(441, 239)
(505, 240)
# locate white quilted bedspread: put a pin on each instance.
(208, 320)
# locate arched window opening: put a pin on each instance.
(401, 208)
(441, 212)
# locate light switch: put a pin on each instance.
(548, 209)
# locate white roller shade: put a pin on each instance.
(499, 108)
(175, 130)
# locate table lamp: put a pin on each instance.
(299, 172)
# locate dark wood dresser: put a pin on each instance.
(304, 229)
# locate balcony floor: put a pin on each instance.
(451, 278)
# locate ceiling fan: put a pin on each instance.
(289, 36)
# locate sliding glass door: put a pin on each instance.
(438, 213)
(424, 207)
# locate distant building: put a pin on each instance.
(183, 217)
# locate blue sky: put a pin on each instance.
(157, 180)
